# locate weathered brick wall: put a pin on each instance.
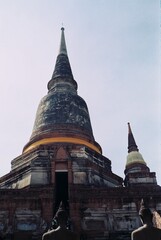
(106, 213)
(25, 213)
(109, 213)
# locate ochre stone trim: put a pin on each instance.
(62, 139)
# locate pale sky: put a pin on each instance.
(113, 48)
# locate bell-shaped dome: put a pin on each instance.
(62, 115)
(134, 157)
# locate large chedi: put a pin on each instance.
(62, 143)
(62, 115)
(62, 163)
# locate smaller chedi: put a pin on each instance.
(136, 170)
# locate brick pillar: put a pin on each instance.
(53, 172)
(70, 173)
(75, 217)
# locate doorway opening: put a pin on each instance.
(61, 190)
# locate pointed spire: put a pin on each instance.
(63, 48)
(131, 141)
(62, 72)
(62, 66)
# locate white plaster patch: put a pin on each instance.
(22, 183)
(80, 177)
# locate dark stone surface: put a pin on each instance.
(62, 108)
(62, 67)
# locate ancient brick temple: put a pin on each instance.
(63, 162)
